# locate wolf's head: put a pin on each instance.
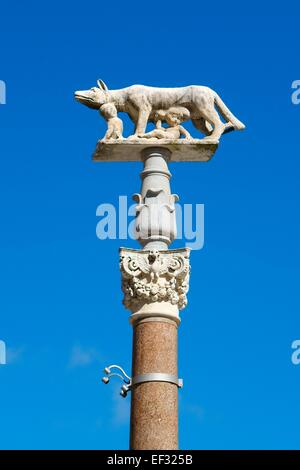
(95, 97)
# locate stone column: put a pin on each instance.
(155, 282)
(155, 210)
(154, 407)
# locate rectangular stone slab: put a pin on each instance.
(130, 151)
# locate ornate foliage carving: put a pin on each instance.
(154, 276)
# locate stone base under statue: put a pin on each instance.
(197, 150)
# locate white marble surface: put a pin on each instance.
(181, 150)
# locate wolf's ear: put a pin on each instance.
(102, 85)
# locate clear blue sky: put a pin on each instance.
(60, 303)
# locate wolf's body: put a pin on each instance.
(142, 102)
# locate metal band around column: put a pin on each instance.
(157, 377)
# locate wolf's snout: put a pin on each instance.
(77, 95)
(82, 96)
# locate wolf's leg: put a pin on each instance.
(212, 116)
(142, 122)
(203, 126)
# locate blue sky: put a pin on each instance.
(60, 304)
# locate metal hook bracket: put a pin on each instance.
(129, 382)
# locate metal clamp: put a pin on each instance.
(128, 382)
(157, 377)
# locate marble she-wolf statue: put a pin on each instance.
(142, 102)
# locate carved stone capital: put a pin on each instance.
(155, 283)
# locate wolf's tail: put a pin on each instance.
(227, 114)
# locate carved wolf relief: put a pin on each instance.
(142, 102)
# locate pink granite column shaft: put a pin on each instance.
(154, 405)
